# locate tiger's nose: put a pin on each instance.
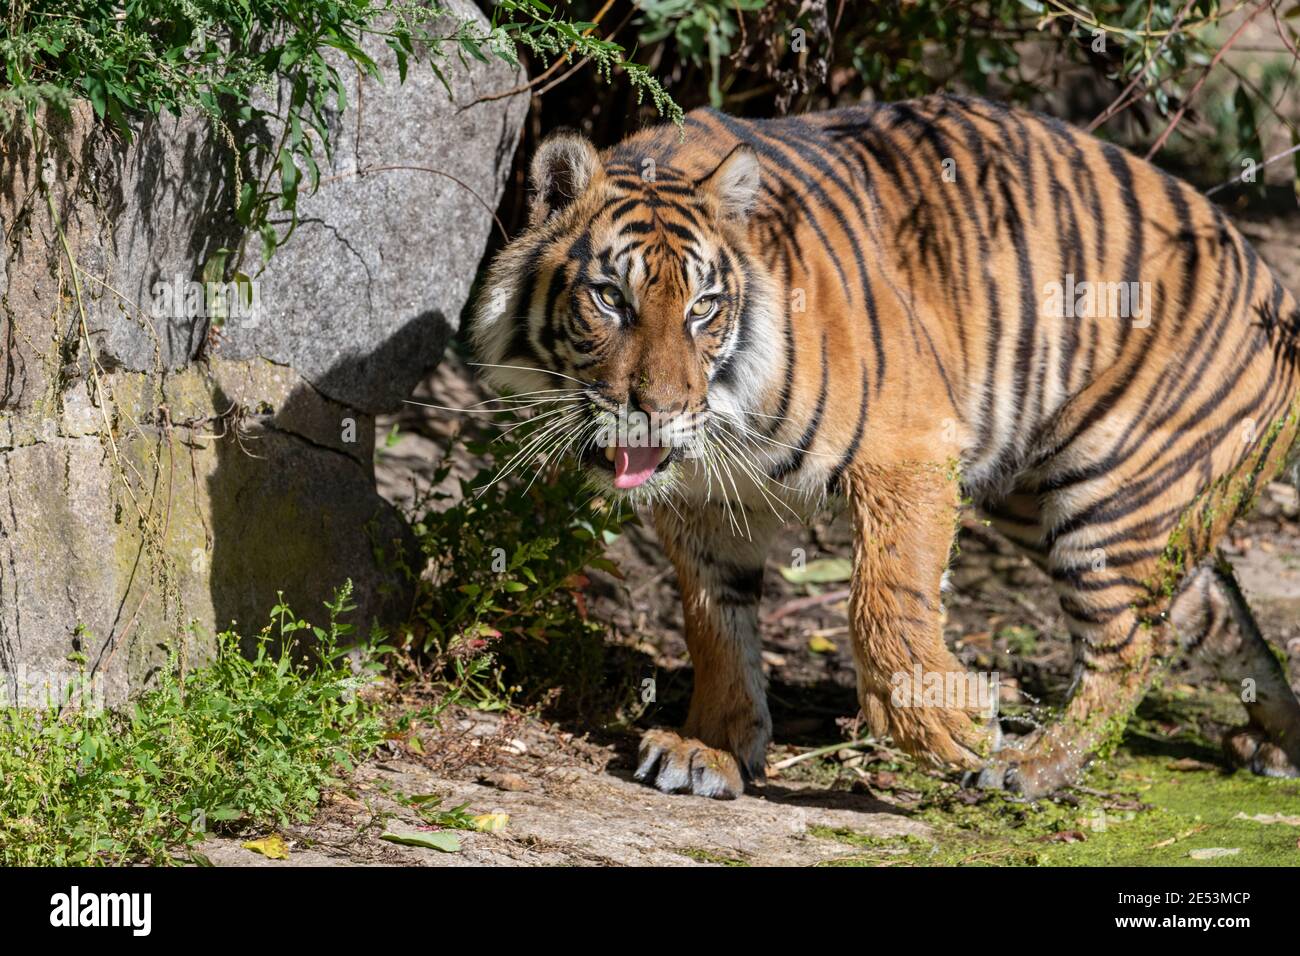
(640, 401)
(668, 422)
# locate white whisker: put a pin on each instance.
(530, 368)
(530, 446)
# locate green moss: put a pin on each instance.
(1234, 494)
(1191, 811)
(1111, 735)
(1138, 808)
(1178, 812)
(714, 857)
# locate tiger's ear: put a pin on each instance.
(735, 182)
(563, 168)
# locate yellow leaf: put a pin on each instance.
(491, 822)
(820, 645)
(272, 847)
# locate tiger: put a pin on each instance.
(907, 311)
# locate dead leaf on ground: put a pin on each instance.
(505, 781)
(1214, 852)
(272, 847)
(491, 822)
(343, 800)
(820, 571)
(1269, 818)
(821, 645)
(1123, 804)
(1189, 764)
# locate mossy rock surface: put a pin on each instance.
(164, 471)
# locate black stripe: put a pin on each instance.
(795, 461)
(851, 452)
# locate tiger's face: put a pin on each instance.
(632, 310)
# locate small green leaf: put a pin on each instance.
(436, 840)
(821, 571)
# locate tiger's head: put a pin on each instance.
(632, 309)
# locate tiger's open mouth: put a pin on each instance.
(631, 466)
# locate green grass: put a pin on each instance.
(247, 740)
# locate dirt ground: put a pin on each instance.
(567, 792)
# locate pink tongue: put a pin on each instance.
(632, 466)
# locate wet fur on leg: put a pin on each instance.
(905, 519)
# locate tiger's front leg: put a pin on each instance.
(720, 575)
(905, 519)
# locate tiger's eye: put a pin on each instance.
(702, 307)
(611, 296)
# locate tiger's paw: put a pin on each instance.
(676, 764)
(1032, 771)
(935, 734)
(1250, 747)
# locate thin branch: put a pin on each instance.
(1283, 34)
(1196, 88)
(864, 743)
(541, 77)
(805, 603)
(1240, 177)
(1119, 104)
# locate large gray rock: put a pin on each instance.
(188, 474)
(387, 248)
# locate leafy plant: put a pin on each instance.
(705, 32)
(501, 610)
(429, 807)
(246, 740)
(226, 58)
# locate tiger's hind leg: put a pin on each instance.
(1126, 523)
(1210, 615)
(1097, 571)
(1116, 660)
(1121, 640)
